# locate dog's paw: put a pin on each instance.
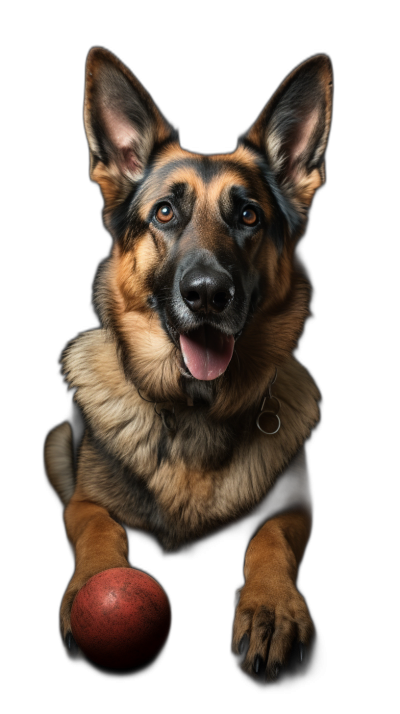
(65, 613)
(269, 625)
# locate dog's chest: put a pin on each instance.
(191, 487)
(184, 484)
(185, 502)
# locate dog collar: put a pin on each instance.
(267, 407)
(270, 406)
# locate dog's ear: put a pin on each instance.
(293, 128)
(123, 125)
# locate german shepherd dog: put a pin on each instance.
(192, 401)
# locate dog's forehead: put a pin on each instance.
(209, 177)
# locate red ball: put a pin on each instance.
(120, 618)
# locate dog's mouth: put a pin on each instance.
(206, 352)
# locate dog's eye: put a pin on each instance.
(249, 216)
(164, 213)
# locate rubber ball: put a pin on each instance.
(121, 618)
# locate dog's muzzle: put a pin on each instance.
(207, 290)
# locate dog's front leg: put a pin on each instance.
(272, 629)
(100, 543)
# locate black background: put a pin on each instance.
(210, 81)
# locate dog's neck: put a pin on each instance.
(267, 411)
(198, 391)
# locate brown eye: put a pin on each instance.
(164, 213)
(249, 217)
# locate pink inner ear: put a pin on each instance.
(130, 160)
(304, 134)
(123, 137)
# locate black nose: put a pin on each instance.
(205, 289)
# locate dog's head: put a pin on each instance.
(202, 260)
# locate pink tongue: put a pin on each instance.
(207, 352)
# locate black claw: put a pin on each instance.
(302, 651)
(243, 644)
(275, 670)
(70, 642)
(257, 664)
(237, 598)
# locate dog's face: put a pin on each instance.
(202, 261)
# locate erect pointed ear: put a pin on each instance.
(123, 125)
(293, 128)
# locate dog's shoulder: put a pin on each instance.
(90, 361)
(261, 458)
(112, 409)
(299, 397)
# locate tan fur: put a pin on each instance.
(100, 543)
